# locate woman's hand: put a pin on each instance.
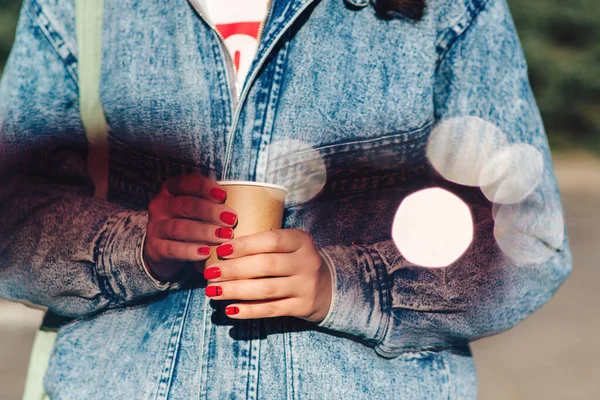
(276, 273)
(183, 219)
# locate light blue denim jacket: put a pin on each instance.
(364, 93)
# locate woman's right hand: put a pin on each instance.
(183, 219)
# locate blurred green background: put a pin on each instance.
(562, 44)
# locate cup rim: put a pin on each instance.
(252, 183)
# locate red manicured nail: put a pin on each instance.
(204, 250)
(224, 250)
(231, 310)
(212, 273)
(228, 217)
(218, 194)
(213, 291)
(224, 233)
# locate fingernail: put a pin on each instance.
(228, 217)
(204, 250)
(213, 291)
(224, 250)
(218, 194)
(224, 233)
(212, 273)
(231, 310)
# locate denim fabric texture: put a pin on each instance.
(364, 93)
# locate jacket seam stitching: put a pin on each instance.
(69, 60)
(447, 373)
(384, 302)
(446, 43)
(174, 346)
(105, 269)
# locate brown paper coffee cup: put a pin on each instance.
(259, 208)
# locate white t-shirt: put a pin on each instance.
(238, 22)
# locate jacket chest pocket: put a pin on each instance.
(352, 166)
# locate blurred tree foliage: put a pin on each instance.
(561, 40)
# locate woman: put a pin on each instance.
(348, 317)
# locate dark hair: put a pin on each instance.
(413, 9)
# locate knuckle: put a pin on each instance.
(169, 251)
(274, 240)
(184, 206)
(270, 310)
(162, 252)
(269, 264)
(176, 228)
(269, 289)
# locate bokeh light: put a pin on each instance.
(297, 166)
(432, 228)
(531, 231)
(512, 174)
(459, 147)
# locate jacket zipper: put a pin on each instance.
(229, 69)
(229, 146)
(264, 22)
(236, 116)
(236, 101)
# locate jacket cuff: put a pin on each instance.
(358, 296)
(120, 260)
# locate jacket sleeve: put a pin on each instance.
(59, 246)
(396, 306)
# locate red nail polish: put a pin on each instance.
(213, 291)
(212, 273)
(204, 250)
(224, 250)
(231, 310)
(224, 233)
(218, 194)
(228, 217)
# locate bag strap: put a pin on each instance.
(89, 38)
(89, 42)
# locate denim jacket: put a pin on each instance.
(362, 94)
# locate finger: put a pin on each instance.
(201, 210)
(276, 241)
(263, 309)
(265, 265)
(252, 289)
(181, 251)
(196, 185)
(185, 230)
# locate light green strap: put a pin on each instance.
(89, 42)
(38, 363)
(89, 39)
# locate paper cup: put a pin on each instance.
(259, 207)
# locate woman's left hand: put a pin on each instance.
(275, 273)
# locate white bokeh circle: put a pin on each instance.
(512, 174)
(459, 147)
(432, 228)
(529, 232)
(299, 167)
